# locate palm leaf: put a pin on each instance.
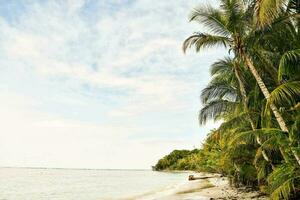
(249, 137)
(218, 90)
(222, 66)
(235, 14)
(289, 65)
(239, 120)
(215, 109)
(286, 94)
(204, 40)
(281, 181)
(212, 19)
(268, 10)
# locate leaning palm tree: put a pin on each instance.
(236, 69)
(223, 95)
(230, 27)
(244, 154)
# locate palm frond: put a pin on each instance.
(215, 109)
(222, 66)
(242, 119)
(204, 40)
(273, 143)
(286, 94)
(212, 19)
(262, 169)
(289, 65)
(281, 181)
(268, 10)
(235, 13)
(293, 6)
(250, 137)
(218, 90)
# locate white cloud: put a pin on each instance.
(135, 49)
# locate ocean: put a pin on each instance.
(86, 184)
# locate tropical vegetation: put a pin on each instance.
(254, 91)
(179, 160)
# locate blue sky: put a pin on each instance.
(99, 84)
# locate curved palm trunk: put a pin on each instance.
(296, 156)
(266, 93)
(245, 100)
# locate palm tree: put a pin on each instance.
(255, 92)
(231, 26)
(223, 94)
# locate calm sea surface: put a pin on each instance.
(70, 184)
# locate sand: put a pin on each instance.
(216, 188)
(211, 189)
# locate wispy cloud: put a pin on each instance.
(72, 55)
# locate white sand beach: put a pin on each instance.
(215, 188)
(206, 189)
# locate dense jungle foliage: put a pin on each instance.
(179, 160)
(254, 92)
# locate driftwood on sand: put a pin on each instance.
(192, 177)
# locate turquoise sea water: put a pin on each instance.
(77, 184)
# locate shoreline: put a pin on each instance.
(216, 188)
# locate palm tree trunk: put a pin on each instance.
(296, 156)
(244, 96)
(245, 100)
(266, 93)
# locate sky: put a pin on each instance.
(99, 84)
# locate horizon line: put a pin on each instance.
(74, 168)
